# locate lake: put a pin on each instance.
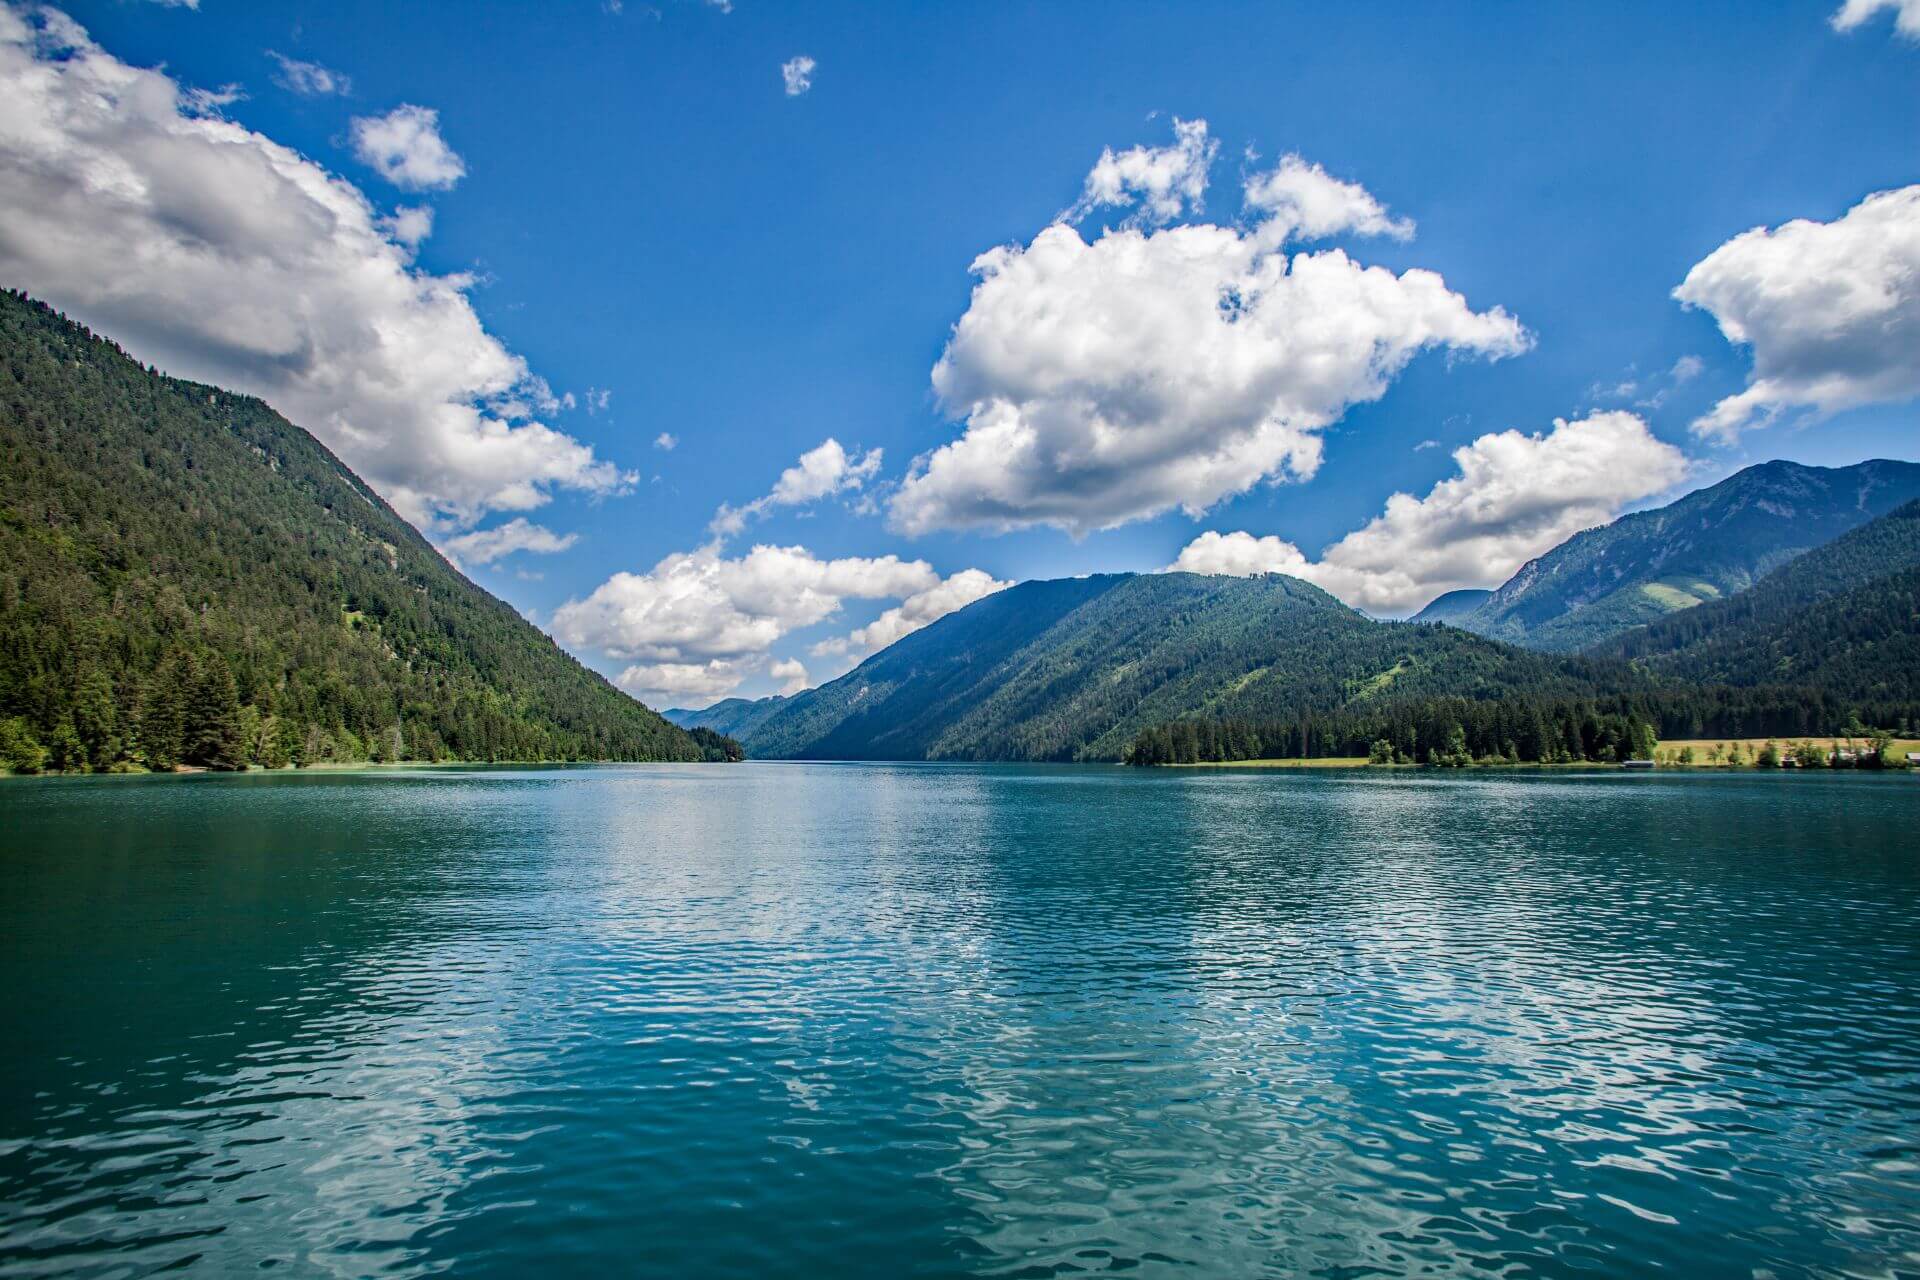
(875, 1021)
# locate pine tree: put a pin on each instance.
(289, 742)
(270, 749)
(95, 718)
(162, 711)
(212, 728)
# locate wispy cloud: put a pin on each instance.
(484, 546)
(309, 79)
(821, 472)
(797, 75)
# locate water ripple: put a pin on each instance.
(960, 1021)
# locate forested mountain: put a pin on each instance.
(1844, 618)
(1452, 605)
(1827, 640)
(186, 577)
(1073, 669)
(1709, 544)
(1161, 667)
(734, 717)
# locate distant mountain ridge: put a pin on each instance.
(1452, 605)
(187, 577)
(734, 717)
(1844, 618)
(1707, 545)
(1072, 669)
(1075, 669)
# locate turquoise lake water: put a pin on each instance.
(877, 1021)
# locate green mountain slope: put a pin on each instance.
(1073, 669)
(897, 703)
(1452, 605)
(187, 577)
(1843, 618)
(1709, 544)
(734, 717)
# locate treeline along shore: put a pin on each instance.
(1454, 732)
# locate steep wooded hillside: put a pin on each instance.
(1709, 544)
(1843, 618)
(187, 577)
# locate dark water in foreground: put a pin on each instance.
(881, 1021)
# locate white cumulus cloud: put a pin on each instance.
(405, 147)
(221, 255)
(1515, 496)
(703, 604)
(410, 225)
(1111, 381)
(1303, 200)
(822, 471)
(797, 75)
(916, 611)
(1855, 13)
(682, 683)
(484, 546)
(722, 614)
(1240, 555)
(1164, 181)
(792, 672)
(1830, 310)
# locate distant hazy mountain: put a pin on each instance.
(734, 717)
(1072, 669)
(187, 577)
(1452, 606)
(1843, 618)
(1707, 545)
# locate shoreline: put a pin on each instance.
(1326, 763)
(1361, 762)
(1282, 762)
(333, 766)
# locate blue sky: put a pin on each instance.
(649, 216)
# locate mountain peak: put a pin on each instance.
(1710, 543)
